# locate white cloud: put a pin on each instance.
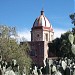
(27, 35)
(58, 32)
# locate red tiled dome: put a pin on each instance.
(42, 21)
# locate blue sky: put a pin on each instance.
(22, 13)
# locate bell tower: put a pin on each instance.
(41, 34)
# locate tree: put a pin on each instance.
(61, 47)
(10, 49)
(65, 47)
(7, 32)
(54, 47)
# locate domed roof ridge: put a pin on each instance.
(42, 20)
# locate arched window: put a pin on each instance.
(51, 37)
(46, 35)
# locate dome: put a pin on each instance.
(42, 21)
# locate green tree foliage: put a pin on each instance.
(10, 49)
(65, 47)
(61, 47)
(7, 32)
(54, 47)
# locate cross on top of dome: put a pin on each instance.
(42, 12)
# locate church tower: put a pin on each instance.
(42, 29)
(41, 34)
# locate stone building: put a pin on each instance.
(41, 34)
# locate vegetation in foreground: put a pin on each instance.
(10, 49)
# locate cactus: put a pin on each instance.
(71, 40)
(73, 49)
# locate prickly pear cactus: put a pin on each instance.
(71, 39)
(73, 49)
